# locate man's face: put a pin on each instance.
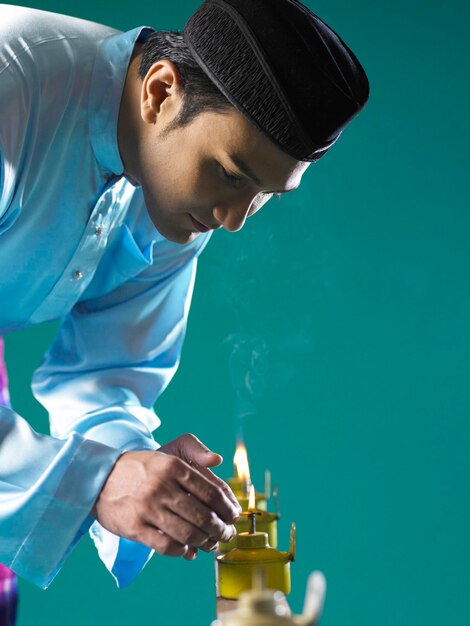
(213, 172)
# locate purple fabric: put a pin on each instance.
(8, 583)
(4, 395)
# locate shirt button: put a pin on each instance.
(77, 275)
(99, 231)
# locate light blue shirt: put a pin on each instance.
(76, 243)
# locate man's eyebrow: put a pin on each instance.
(245, 169)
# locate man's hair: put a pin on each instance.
(199, 92)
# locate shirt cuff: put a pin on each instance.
(63, 516)
(123, 558)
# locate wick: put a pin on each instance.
(252, 520)
(253, 523)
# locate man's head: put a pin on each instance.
(223, 124)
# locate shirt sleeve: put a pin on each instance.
(47, 489)
(14, 113)
(113, 355)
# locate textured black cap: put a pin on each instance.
(282, 67)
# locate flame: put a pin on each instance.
(240, 461)
(252, 499)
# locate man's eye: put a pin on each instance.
(235, 181)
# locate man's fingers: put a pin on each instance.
(163, 544)
(190, 449)
(221, 484)
(209, 546)
(162, 516)
(191, 554)
(193, 482)
(192, 510)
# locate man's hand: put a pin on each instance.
(190, 449)
(169, 500)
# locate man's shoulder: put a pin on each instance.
(33, 26)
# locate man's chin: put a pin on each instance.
(188, 238)
(176, 235)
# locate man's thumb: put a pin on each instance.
(195, 451)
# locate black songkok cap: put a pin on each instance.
(282, 67)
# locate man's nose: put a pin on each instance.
(232, 216)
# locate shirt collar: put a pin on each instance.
(107, 84)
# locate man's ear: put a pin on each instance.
(161, 91)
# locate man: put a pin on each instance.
(119, 155)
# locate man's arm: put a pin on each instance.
(113, 356)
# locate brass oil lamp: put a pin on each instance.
(235, 568)
(266, 521)
(265, 607)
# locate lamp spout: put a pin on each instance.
(314, 599)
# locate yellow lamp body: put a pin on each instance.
(261, 502)
(240, 490)
(265, 522)
(236, 568)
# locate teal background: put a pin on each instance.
(354, 292)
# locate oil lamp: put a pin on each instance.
(235, 568)
(241, 483)
(265, 522)
(265, 607)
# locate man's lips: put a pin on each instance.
(201, 227)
